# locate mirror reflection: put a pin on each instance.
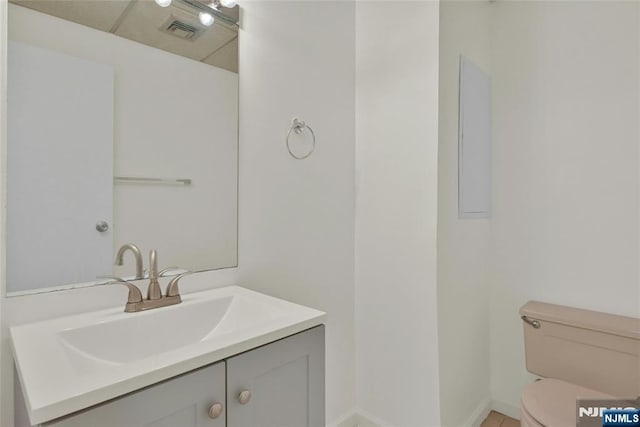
(115, 140)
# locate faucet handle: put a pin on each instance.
(135, 295)
(172, 287)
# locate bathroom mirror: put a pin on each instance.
(122, 128)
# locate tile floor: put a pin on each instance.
(496, 419)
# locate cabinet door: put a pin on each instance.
(284, 381)
(183, 401)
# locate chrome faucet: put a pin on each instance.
(136, 253)
(155, 299)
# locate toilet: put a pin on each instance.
(579, 354)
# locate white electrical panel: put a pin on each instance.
(474, 142)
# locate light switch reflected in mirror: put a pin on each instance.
(119, 131)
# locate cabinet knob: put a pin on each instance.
(244, 397)
(102, 226)
(216, 410)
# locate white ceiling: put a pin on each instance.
(143, 20)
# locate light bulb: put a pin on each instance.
(229, 3)
(163, 3)
(206, 19)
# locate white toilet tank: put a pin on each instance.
(596, 350)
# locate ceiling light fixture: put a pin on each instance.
(207, 12)
(229, 3)
(206, 19)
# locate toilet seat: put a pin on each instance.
(552, 403)
(526, 419)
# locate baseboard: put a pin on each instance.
(365, 419)
(506, 409)
(478, 415)
(348, 420)
(358, 418)
(361, 418)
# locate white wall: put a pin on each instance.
(173, 117)
(463, 245)
(565, 225)
(297, 216)
(396, 212)
(6, 361)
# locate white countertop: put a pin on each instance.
(60, 376)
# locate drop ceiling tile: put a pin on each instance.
(99, 14)
(145, 21)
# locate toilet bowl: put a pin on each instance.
(580, 354)
(552, 403)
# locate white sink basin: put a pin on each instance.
(70, 363)
(152, 332)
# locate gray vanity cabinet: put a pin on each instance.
(278, 385)
(183, 401)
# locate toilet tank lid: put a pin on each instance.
(587, 319)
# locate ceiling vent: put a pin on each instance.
(181, 29)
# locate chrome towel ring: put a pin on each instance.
(297, 127)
